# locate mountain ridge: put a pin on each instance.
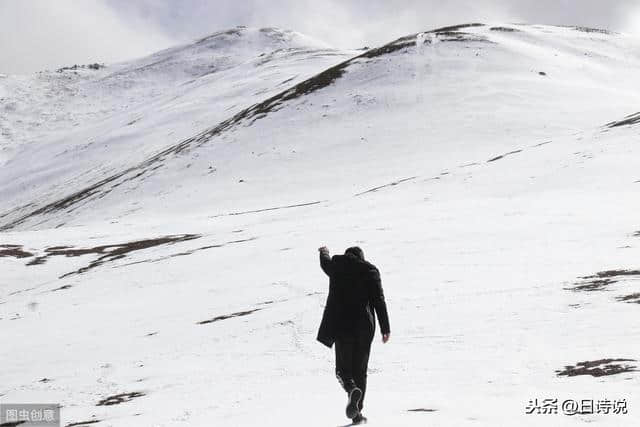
(256, 111)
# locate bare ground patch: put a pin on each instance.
(505, 29)
(598, 368)
(117, 399)
(391, 184)
(228, 316)
(631, 119)
(191, 251)
(502, 156)
(108, 253)
(601, 280)
(15, 251)
(275, 208)
(592, 30)
(631, 298)
(82, 423)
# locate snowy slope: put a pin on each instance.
(108, 119)
(489, 173)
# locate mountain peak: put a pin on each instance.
(266, 37)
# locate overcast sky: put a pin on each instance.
(39, 34)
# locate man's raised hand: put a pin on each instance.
(385, 337)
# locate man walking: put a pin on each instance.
(355, 292)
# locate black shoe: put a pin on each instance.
(354, 400)
(359, 419)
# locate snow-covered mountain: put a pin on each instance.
(160, 220)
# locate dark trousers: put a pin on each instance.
(352, 358)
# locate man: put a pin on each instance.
(355, 292)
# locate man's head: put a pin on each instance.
(355, 251)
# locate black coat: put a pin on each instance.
(355, 292)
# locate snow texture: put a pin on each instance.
(160, 218)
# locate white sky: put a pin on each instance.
(39, 34)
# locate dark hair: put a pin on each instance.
(355, 251)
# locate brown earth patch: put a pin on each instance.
(14, 251)
(598, 368)
(108, 253)
(192, 251)
(119, 398)
(601, 280)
